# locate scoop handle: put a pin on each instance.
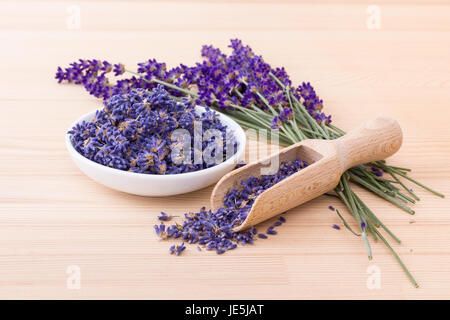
(373, 140)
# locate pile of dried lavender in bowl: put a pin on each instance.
(214, 230)
(151, 132)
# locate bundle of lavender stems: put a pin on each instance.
(246, 88)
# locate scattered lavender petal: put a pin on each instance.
(214, 229)
(277, 224)
(164, 217)
(180, 249)
(270, 230)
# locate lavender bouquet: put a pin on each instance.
(257, 96)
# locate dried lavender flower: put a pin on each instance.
(137, 131)
(214, 229)
(177, 250)
(180, 249)
(271, 231)
(160, 230)
(164, 217)
(376, 171)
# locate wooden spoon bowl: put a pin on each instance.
(327, 160)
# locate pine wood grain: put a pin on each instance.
(52, 216)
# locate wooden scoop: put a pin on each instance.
(374, 140)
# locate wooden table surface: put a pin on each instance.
(54, 221)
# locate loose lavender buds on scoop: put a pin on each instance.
(213, 230)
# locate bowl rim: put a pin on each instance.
(238, 132)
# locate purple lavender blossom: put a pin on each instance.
(335, 226)
(164, 217)
(331, 208)
(180, 249)
(376, 171)
(271, 230)
(160, 230)
(276, 123)
(241, 78)
(286, 114)
(177, 250)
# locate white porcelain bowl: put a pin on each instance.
(158, 185)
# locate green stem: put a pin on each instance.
(416, 182)
(381, 194)
(346, 224)
(375, 219)
(336, 129)
(411, 278)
